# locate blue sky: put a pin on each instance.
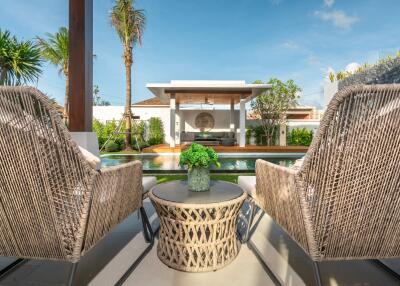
(222, 40)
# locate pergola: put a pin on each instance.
(230, 93)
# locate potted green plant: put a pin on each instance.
(198, 159)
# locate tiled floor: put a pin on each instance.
(106, 263)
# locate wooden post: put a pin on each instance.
(80, 65)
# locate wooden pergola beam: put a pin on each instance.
(80, 65)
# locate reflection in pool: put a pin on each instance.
(167, 162)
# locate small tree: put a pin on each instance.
(272, 105)
(156, 131)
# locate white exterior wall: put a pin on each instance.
(310, 124)
(221, 117)
(105, 113)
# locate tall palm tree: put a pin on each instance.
(129, 24)
(54, 49)
(20, 61)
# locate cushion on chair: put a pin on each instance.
(148, 183)
(248, 184)
(93, 160)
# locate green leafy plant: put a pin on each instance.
(113, 147)
(20, 61)
(272, 105)
(198, 156)
(55, 49)
(299, 137)
(156, 131)
(138, 131)
(249, 133)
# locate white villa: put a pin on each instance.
(220, 107)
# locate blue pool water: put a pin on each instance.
(153, 163)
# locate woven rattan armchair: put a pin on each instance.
(343, 202)
(53, 204)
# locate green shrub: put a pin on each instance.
(98, 128)
(198, 156)
(156, 131)
(113, 147)
(299, 137)
(260, 137)
(249, 133)
(138, 131)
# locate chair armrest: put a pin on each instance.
(278, 196)
(117, 192)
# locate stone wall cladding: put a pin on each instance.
(388, 72)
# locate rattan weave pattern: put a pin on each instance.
(343, 203)
(53, 205)
(197, 237)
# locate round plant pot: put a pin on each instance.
(199, 179)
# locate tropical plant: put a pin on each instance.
(129, 24)
(20, 61)
(299, 137)
(344, 74)
(156, 131)
(272, 105)
(54, 49)
(198, 156)
(112, 146)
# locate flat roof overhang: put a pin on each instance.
(207, 92)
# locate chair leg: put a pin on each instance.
(317, 275)
(147, 230)
(11, 267)
(252, 207)
(72, 272)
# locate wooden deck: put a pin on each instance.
(164, 148)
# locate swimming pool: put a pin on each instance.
(230, 162)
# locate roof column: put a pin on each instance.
(177, 125)
(242, 122)
(172, 119)
(232, 116)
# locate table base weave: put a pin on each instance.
(197, 238)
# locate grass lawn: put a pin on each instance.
(222, 177)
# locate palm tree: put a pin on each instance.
(20, 61)
(54, 49)
(129, 24)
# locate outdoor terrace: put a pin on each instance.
(272, 259)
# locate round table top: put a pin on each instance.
(178, 192)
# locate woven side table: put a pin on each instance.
(198, 230)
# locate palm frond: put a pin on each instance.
(128, 22)
(55, 48)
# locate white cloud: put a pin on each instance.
(338, 18)
(329, 3)
(290, 45)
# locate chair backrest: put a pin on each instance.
(350, 178)
(45, 183)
